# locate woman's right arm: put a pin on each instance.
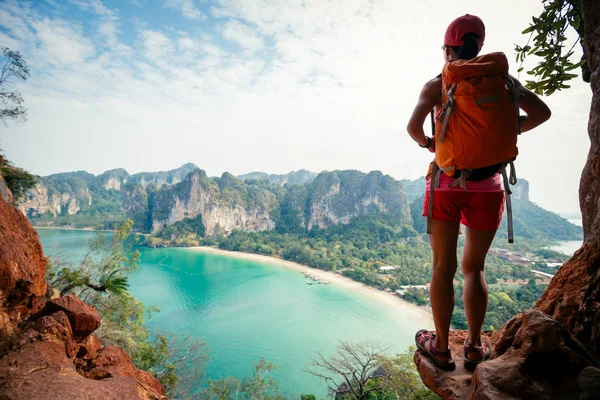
(537, 111)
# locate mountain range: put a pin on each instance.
(299, 201)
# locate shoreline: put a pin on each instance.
(383, 297)
(66, 228)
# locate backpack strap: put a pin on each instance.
(515, 96)
(447, 110)
(434, 183)
(512, 180)
(462, 179)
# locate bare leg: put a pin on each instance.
(443, 242)
(475, 295)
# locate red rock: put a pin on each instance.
(89, 348)
(42, 371)
(113, 361)
(448, 384)
(56, 326)
(542, 361)
(534, 358)
(22, 268)
(84, 318)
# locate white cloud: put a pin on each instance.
(157, 46)
(95, 6)
(331, 87)
(243, 35)
(186, 44)
(187, 7)
(62, 43)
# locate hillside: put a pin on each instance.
(187, 201)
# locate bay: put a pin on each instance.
(247, 309)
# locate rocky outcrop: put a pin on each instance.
(47, 362)
(113, 179)
(5, 193)
(225, 204)
(161, 178)
(293, 178)
(22, 269)
(337, 197)
(38, 202)
(454, 384)
(534, 358)
(46, 351)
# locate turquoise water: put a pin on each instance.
(246, 310)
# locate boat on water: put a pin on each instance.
(309, 283)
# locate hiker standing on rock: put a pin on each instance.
(474, 106)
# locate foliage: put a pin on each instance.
(402, 379)
(183, 230)
(17, 179)
(11, 102)
(260, 386)
(100, 280)
(548, 32)
(361, 371)
(503, 304)
(102, 269)
(349, 369)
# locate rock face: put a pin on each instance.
(224, 204)
(449, 384)
(4, 191)
(161, 178)
(534, 358)
(336, 197)
(46, 351)
(22, 268)
(294, 177)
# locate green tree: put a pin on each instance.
(260, 386)
(548, 40)
(401, 379)
(100, 279)
(11, 102)
(349, 369)
(102, 270)
(17, 179)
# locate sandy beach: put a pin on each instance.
(418, 314)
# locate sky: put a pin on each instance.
(259, 85)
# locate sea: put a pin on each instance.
(246, 310)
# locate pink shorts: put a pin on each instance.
(480, 207)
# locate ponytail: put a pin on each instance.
(469, 48)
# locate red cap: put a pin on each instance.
(462, 25)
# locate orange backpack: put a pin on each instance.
(477, 126)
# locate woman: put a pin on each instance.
(479, 207)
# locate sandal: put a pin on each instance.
(421, 337)
(483, 351)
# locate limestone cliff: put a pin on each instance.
(161, 178)
(294, 177)
(46, 348)
(113, 179)
(337, 197)
(93, 199)
(225, 204)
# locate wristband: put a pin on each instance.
(428, 145)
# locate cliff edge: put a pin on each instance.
(47, 350)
